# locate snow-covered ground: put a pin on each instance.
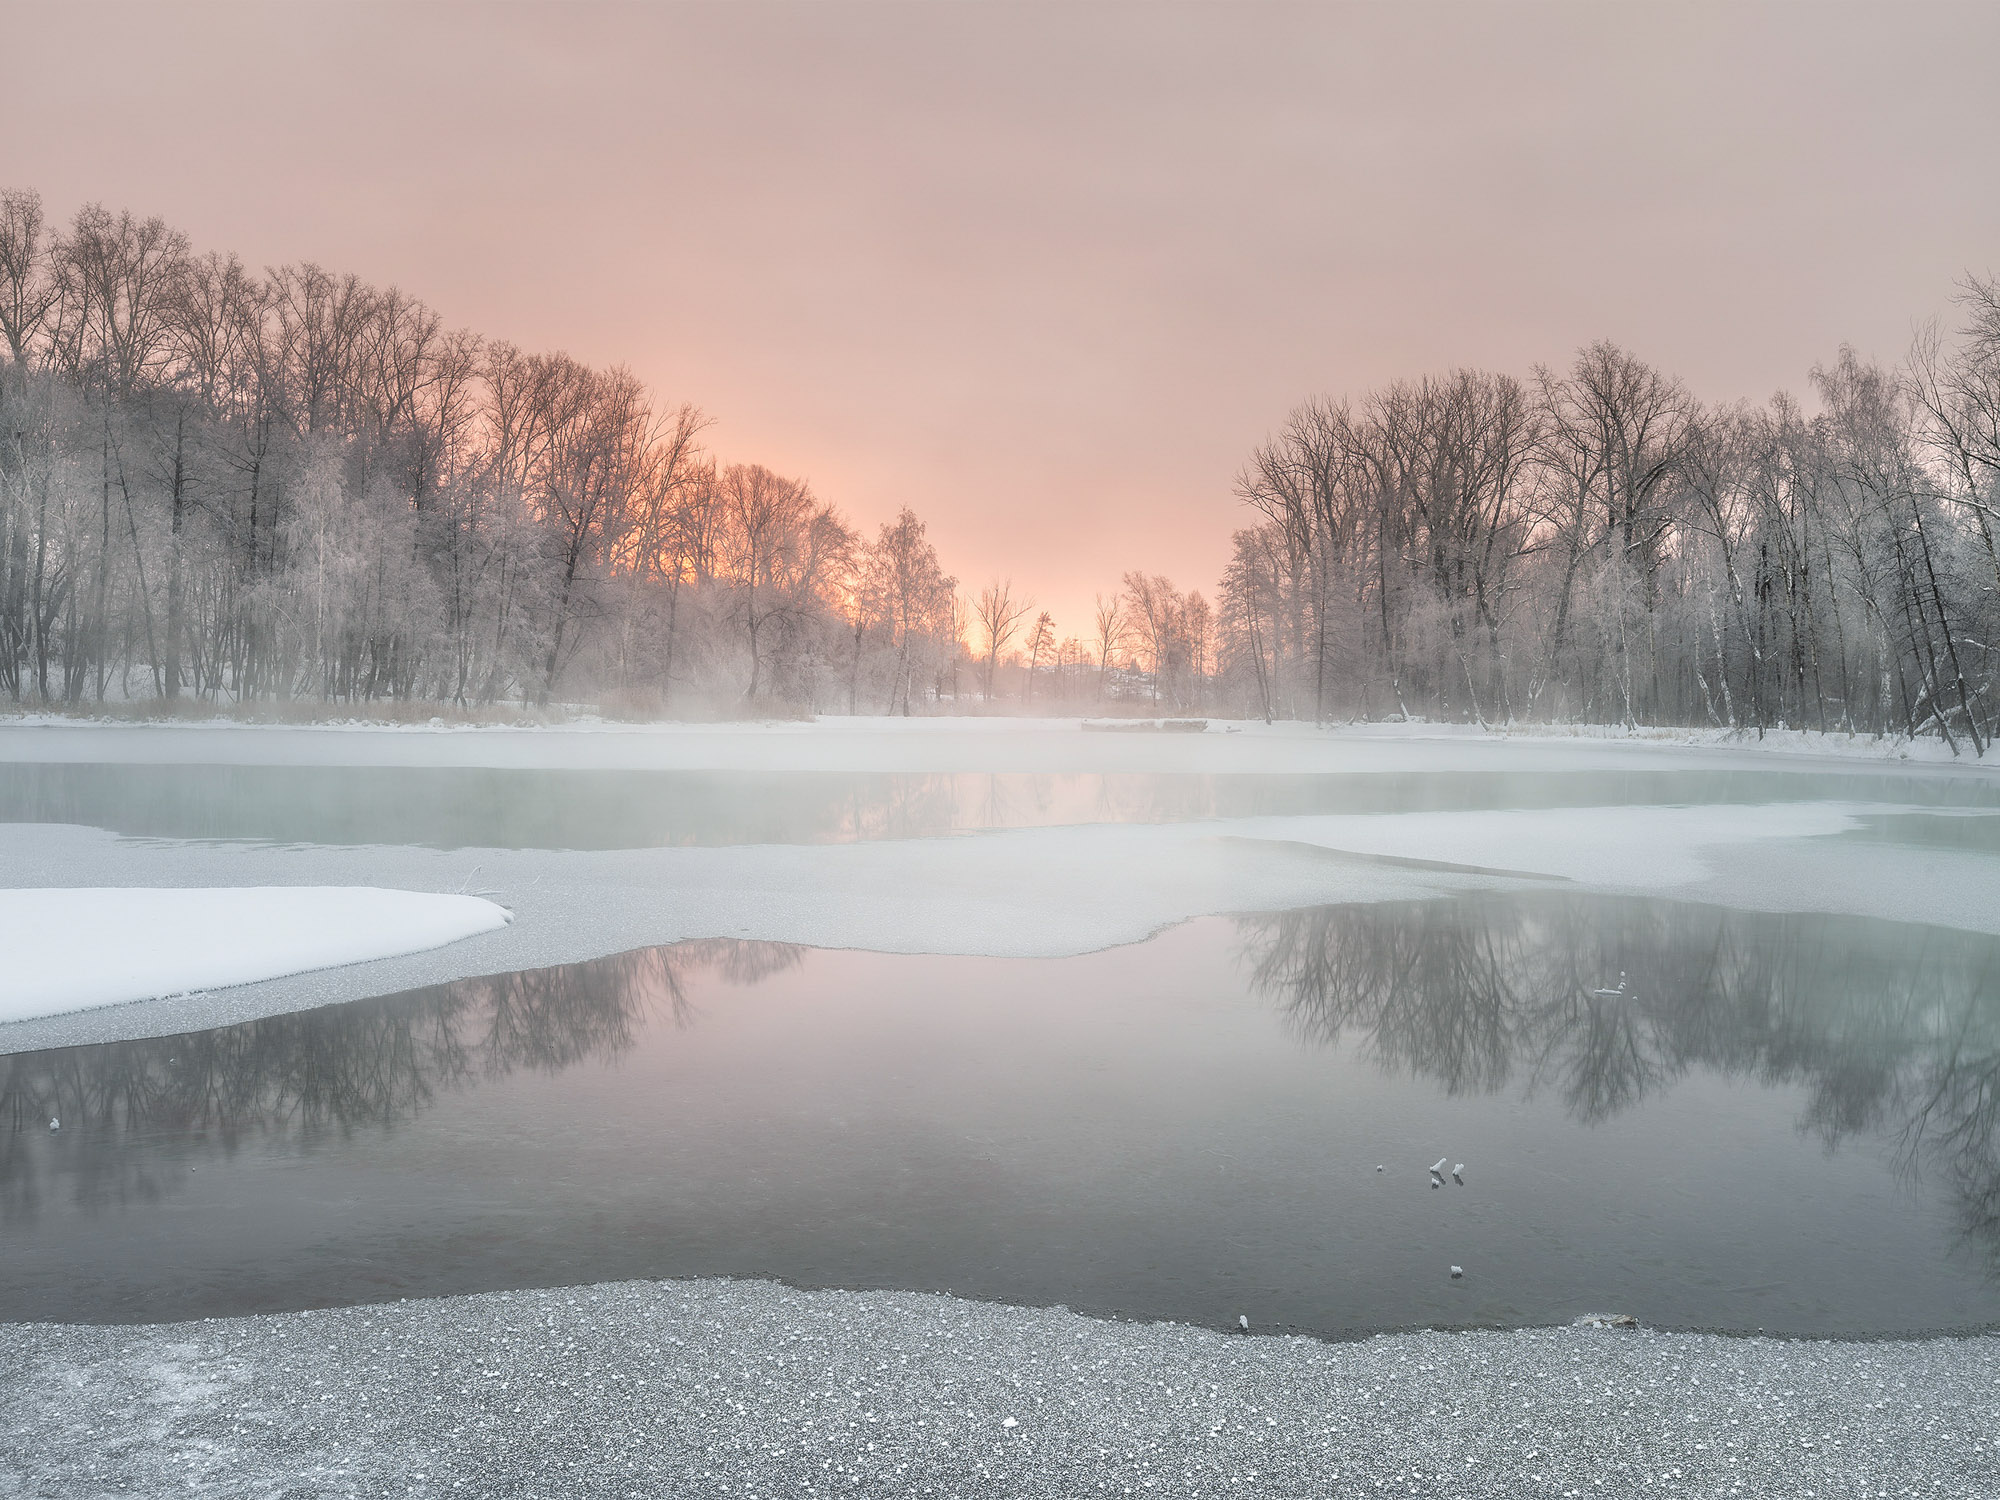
(71, 948)
(715, 1389)
(955, 744)
(1814, 742)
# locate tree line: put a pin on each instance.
(233, 487)
(230, 486)
(1599, 545)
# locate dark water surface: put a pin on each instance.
(1785, 1122)
(460, 807)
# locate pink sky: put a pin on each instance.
(1048, 273)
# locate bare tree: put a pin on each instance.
(1041, 642)
(28, 284)
(910, 591)
(1109, 619)
(1159, 626)
(999, 615)
(1956, 393)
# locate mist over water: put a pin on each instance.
(467, 807)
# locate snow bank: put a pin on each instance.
(75, 949)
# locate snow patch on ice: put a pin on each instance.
(77, 949)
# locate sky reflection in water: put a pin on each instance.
(1785, 1122)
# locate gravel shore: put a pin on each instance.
(750, 1389)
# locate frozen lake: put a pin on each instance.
(978, 1008)
(1699, 1117)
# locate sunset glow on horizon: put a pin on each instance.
(1044, 276)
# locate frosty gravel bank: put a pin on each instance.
(747, 1389)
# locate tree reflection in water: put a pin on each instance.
(1893, 1029)
(296, 1078)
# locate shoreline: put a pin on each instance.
(957, 743)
